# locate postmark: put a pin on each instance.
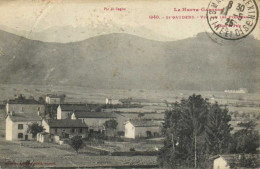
(232, 19)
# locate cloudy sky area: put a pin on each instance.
(67, 21)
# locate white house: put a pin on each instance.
(17, 125)
(142, 128)
(94, 120)
(64, 111)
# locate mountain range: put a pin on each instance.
(128, 61)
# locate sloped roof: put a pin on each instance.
(66, 123)
(234, 158)
(74, 107)
(83, 114)
(230, 158)
(53, 96)
(22, 101)
(24, 117)
(138, 115)
(145, 123)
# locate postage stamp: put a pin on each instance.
(232, 19)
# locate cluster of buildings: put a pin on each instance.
(73, 119)
(240, 91)
(80, 120)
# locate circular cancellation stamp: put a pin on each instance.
(232, 19)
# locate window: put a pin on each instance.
(80, 130)
(39, 108)
(72, 130)
(20, 126)
(22, 109)
(56, 130)
(20, 135)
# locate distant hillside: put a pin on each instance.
(127, 61)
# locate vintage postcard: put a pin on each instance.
(129, 84)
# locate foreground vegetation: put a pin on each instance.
(195, 130)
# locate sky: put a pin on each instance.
(69, 21)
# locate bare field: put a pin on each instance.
(153, 100)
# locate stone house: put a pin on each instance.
(23, 105)
(65, 128)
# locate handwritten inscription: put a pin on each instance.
(114, 9)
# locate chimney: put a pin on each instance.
(239, 156)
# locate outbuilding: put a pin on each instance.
(142, 128)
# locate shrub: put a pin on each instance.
(120, 133)
(132, 149)
(76, 143)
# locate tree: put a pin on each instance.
(247, 139)
(62, 98)
(76, 143)
(140, 115)
(21, 97)
(27, 165)
(217, 131)
(111, 124)
(34, 128)
(248, 162)
(31, 98)
(41, 100)
(186, 143)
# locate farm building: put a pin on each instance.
(142, 128)
(53, 99)
(64, 111)
(223, 162)
(17, 125)
(44, 137)
(108, 101)
(65, 127)
(123, 117)
(229, 161)
(94, 120)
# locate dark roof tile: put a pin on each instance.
(66, 123)
(22, 101)
(83, 114)
(23, 117)
(73, 107)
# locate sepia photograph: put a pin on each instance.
(129, 84)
